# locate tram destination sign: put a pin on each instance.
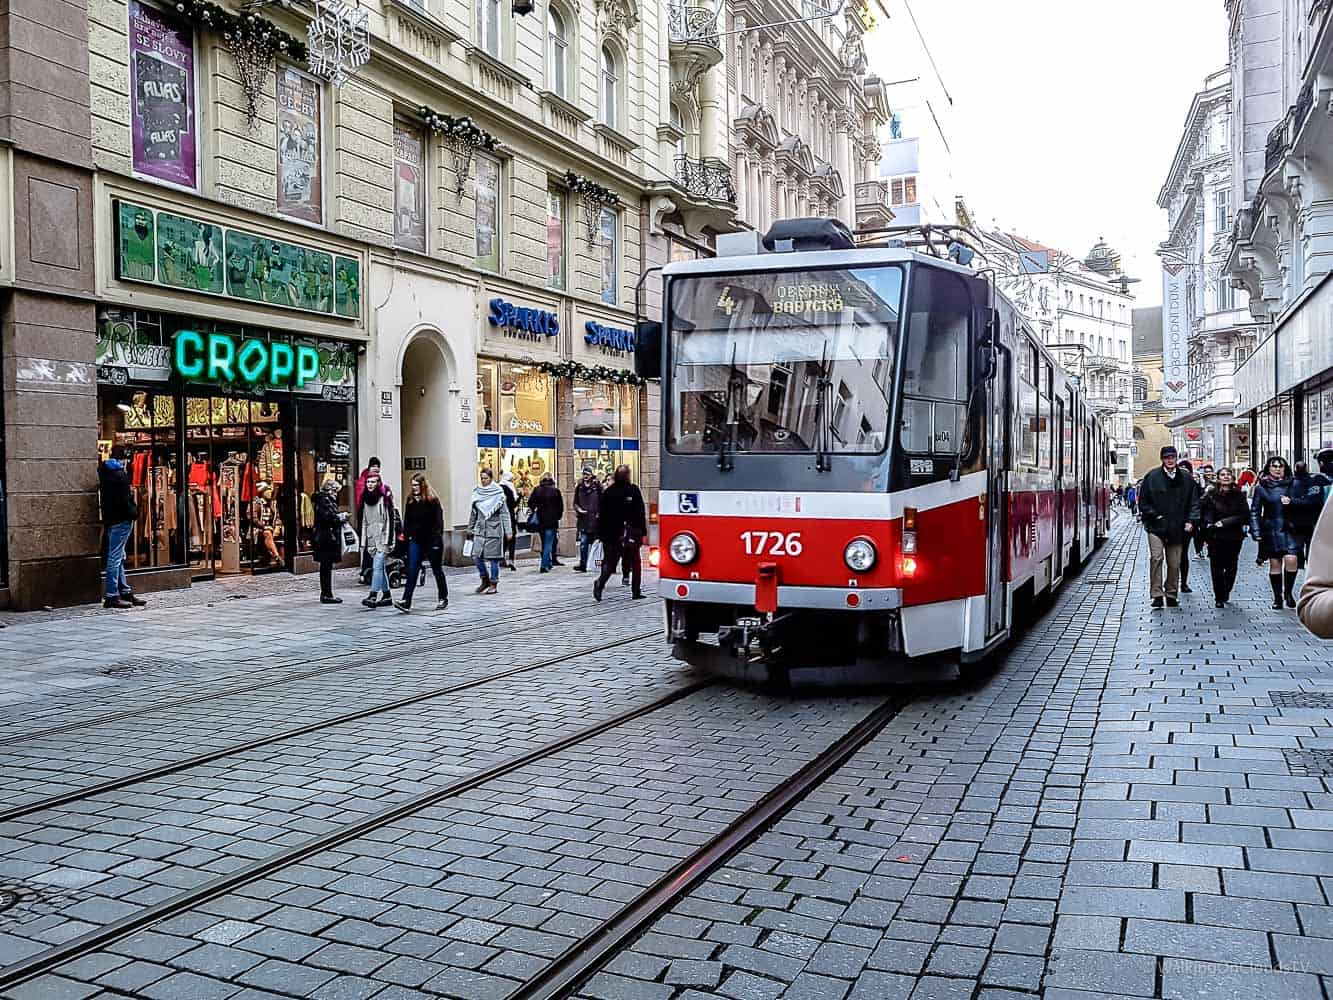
(180, 252)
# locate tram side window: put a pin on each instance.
(935, 367)
(1028, 414)
(1045, 453)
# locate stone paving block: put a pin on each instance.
(1101, 971)
(1187, 980)
(1197, 942)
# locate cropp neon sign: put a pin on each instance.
(215, 357)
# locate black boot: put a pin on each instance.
(1288, 585)
(1275, 579)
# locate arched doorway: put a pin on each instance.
(427, 377)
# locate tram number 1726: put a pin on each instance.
(772, 543)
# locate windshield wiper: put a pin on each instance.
(823, 415)
(726, 441)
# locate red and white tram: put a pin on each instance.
(867, 456)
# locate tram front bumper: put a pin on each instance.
(789, 598)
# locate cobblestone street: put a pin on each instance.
(215, 798)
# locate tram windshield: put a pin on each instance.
(783, 361)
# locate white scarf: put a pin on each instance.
(488, 499)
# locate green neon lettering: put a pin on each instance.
(282, 362)
(307, 364)
(251, 360)
(189, 354)
(221, 354)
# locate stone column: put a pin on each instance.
(49, 334)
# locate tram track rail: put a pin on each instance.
(221, 753)
(470, 635)
(91, 941)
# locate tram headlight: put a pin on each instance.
(860, 555)
(684, 548)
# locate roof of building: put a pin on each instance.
(1147, 331)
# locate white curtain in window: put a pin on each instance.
(610, 88)
(557, 44)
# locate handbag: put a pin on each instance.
(595, 553)
(351, 540)
(468, 548)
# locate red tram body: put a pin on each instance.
(867, 456)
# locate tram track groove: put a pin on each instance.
(92, 941)
(583, 959)
(211, 756)
(472, 635)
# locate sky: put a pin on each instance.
(1066, 113)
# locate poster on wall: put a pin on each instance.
(409, 187)
(189, 254)
(278, 273)
(1175, 338)
(488, 209)
(300, 178)
(162, 89)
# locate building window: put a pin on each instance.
(555, 237)
(557, 47)
(902, 190)
(610, 271)
(1140, 389)
(1224, 294)
(488, 26)
(300, 145)
(610, 90)
(487, 216)
(409, 186)
(1222, 210)
(165, 134)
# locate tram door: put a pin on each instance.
(998, 421)
(1062, 447)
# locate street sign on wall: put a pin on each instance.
(1175, 339)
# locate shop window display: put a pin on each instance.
(517, 404)
(325, 449)
(606, 420)
(145, 423)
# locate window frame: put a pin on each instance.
(402, 122)
(558, 62)
(484, 39)
(610, 255)
(497, 229)
(556, 194)
(610, 84)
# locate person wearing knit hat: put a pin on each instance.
(1169, 505)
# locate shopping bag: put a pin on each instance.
(468, 548)
(595, 553)
(351, 541)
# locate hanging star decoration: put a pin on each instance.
(339, 39)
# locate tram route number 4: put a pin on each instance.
(772, 543)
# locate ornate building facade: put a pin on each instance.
(1207, 322)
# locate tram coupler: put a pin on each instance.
(760, 630)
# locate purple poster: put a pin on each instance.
(162, 87)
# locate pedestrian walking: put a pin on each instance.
(622, 527)
(1316, 605)
(119, 512)
(511, 502)
(379, 535)
(423, 525)
(1307, 501)
(1206, 479)
(327, 545)
(372, 469)
(1187, 467)
(1169, 505)
(547, 505)
(1325, 462)
(1270, 511)
(1226, 516)
(1132, 500)
(587, 504)
(490, 528)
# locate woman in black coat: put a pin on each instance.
(1226, 518)
(328, 537)
(1270, 510)
(1307, 501)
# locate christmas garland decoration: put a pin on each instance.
(590, 189)
(460, 129)
(235, 28)
(590, 373)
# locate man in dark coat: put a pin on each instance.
(622, 525)
(1169, 504)
(587, 505)
(547, 507)
(119, 512)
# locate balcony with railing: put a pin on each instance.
(1101, 363)
(708, 179)
(693, 44)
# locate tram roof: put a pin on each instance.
(806, 260)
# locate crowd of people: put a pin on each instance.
(1215, 511)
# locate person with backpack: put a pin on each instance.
(423, 526)
(119, 512)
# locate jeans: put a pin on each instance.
(117, 535)
(585, 543)
(416, 555)
(1164, 562)
(482, 563)
(1223, 554)
(548, 547)
(379, 581)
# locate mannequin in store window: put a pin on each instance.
(264, 518)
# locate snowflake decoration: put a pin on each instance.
(338, 39)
